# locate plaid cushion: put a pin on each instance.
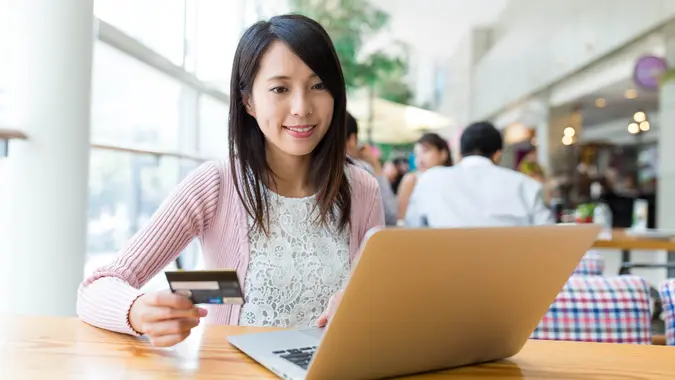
(591, 264)
(599, 309)
(668, 300)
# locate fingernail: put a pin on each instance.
(202, 312)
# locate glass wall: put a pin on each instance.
(132, 103)
(158, 24)
(160, 80)
(137, 104)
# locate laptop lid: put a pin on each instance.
(427, 299)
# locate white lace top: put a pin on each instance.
(293, 273)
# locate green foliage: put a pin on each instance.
(667, 76)
(391, 151)
(350, 23)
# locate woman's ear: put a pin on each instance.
(248, 104)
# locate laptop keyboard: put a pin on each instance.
(298, 356)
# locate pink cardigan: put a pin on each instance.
(206, 206)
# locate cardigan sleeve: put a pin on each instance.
(367, 207)
(106, 296)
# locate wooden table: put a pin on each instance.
(620, 240)
(65, 348)
(6, 135)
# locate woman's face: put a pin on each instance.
(427, 156)
(390, 170)
(290, 103)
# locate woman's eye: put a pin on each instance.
(279, 90)
(319, 86)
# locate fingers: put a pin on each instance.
(322, 321)
(164, 317)
(160, 313)
(333, 304)
(169, 340)
(332, 308)
(168, 299)
(171, 327)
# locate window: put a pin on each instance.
(158, 24)
(132, 103)
(125, 190)
(213, 35)
(213, 125)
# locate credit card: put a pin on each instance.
(207, 286)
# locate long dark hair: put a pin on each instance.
(251, 172)
(436, 141)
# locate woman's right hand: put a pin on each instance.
(164, 317)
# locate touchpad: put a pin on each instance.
(316, 333)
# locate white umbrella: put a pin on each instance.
(394, 123)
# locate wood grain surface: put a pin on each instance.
(66, 348)
(622, 241)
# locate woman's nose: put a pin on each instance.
(301, 105)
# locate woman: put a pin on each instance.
(430, 150)
(287, 211)
(531, 168)
(394, 170)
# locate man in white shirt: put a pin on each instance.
(476, 192)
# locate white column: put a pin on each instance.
(51, 59)
(543, 144)
(665, 204)
(666, 182)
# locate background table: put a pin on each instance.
(620, 240)
(58, 348)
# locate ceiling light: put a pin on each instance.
(567, 140)
(569, 131)
(644, 126)
(631, 93)
(600, 102)
(633, 128)
(640, 116)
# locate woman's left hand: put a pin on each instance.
(333, 304)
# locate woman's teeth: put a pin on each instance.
(301, 129)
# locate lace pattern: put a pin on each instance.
(293, 272)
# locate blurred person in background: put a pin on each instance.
(477, 192)
(287, 211)
(431, 150)
(529, 165)
(363, 156)
(394, 170)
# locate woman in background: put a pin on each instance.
(394, 170)
(530, 166)
(430, 150)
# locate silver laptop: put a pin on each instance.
(428, 299)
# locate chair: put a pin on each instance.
(599, 309)
(667, 291)
(591, 264)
